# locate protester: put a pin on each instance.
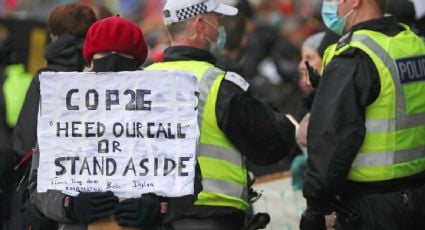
(67, 24)
(365, 137)
(112, 44)
(234, 125)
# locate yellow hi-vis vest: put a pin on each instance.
(224, 175)
(394, 145)
(15, 88)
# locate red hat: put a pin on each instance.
(115, 34)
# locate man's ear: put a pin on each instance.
(200, 24)
(357, 3)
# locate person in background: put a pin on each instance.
(234, 125)
(309, 54)
(100, 11)
(312, 52)
(14, 83)
(7, 158)
(404, 11)
(67, 24)
(420, 15)
(365, 137)
(229, 58)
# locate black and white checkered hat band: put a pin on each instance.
(191, 11)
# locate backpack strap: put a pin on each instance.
(24, 159)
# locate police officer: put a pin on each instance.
(366, 140)
(234, 125)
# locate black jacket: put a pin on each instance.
(336, 131)
(6, 157)
(64, 54)
(261, 134)
(5, 131)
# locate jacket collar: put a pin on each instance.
(386, 25)
(179, 53)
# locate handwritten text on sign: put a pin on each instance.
(127, 132)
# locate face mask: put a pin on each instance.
(114, 63)
(275, 20)
(331, 18)
(218, 46)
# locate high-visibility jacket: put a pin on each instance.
(394, 144)
(224, 175)
(15, 88)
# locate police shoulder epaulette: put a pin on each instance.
(344, 40)
(237, 80)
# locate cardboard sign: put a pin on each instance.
(126, 132)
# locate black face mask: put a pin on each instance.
(114, 63)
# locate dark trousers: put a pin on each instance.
(399, 210)
(13, 218)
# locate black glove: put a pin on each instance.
(349, 218)
(88, 207)
(313, 75)
(311, 220)
(138, 212)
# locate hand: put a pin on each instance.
(138, 212)
(88, 207)
(301, 132)
(311, 220)
(313, 75)
(330, 221)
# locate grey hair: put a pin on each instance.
(314, 40)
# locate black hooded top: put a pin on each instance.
(64, 54)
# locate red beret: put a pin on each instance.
(115, 34)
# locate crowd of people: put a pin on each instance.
(349, 71)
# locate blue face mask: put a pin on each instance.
(331, 18)
(218, 46)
